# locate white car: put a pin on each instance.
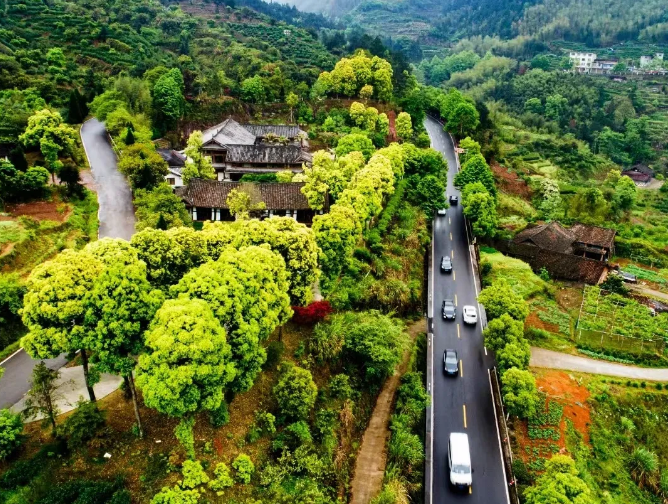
(470, 315)
(441, 212)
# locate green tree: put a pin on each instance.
(143, 166)
(404, 126)
(248, 290)
(253, 90)
(176, 495)
(188, 363)
(373, 343)
(463, 120)
(245, 200)
(613, 145)
(430, 192)
(480, 208)
(556, 107)
(169, 254)
(624, 196)
(519, 393)
(54, 307)
(540, 61)
(292, 100)
(197, 164)
(355, 142)
(336, 234)
(11, 428)
(502, 331)
(295, 392)
(168, 100)
(500, 298)
(534, 105)
(559, 483)
(470, 147)
(514, 355)
(474, 170)
(47, 130)
(119, 309)
(43, 394)
(160, 204)
(244, 467)
(366, 92)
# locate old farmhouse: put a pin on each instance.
(590, 242)
(236, 149)
(206, 200)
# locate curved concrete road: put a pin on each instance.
(557, 360)
(117, 220)
(117, 217)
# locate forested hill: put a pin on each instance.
(596, 22)
(57, 45)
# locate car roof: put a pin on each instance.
(459, 449)
(450, 350)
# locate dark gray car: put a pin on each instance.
(450, 362)
(446, 264)
(449, 309)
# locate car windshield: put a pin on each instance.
(461, 469)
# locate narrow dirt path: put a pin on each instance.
(372, 457)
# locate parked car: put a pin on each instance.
(454, 199)
(441, 212)
(446, 264)
(450, 362)
(459, 460)
(449, 309)
(470, 315)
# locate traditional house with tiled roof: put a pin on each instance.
(592, 242)
(236, 149)
(175, 164)
(640, 174)
(206, 200)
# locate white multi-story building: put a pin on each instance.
(582, 62)
(645, 61)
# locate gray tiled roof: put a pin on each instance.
(274, 154)
(229, 132)
(213, 194)
(555, 237)
(284, 130)
(174, 159)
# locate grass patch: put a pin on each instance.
(517, 273)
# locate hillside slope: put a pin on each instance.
(600, 22)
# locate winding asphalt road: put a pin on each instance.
(117, 220)
(464, 403)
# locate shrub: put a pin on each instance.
(274, 353)
(265, 421)
(295, 392)
(339, 386)
(176, 495)
(220, 416)
(223, 478)
(193, 474)
(82, 425)
(11, 427)
(244, 468)
(312, 314)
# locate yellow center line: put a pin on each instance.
(454, 277)
(461, 368)
(464, 406)
(458, 335)
(450, 236)
(455, 299)
(452, 253)
(470, 490)
(449, 221)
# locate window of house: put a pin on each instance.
(219, 159)
(171, 181)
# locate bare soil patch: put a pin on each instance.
(510, 183)
(40, 210)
